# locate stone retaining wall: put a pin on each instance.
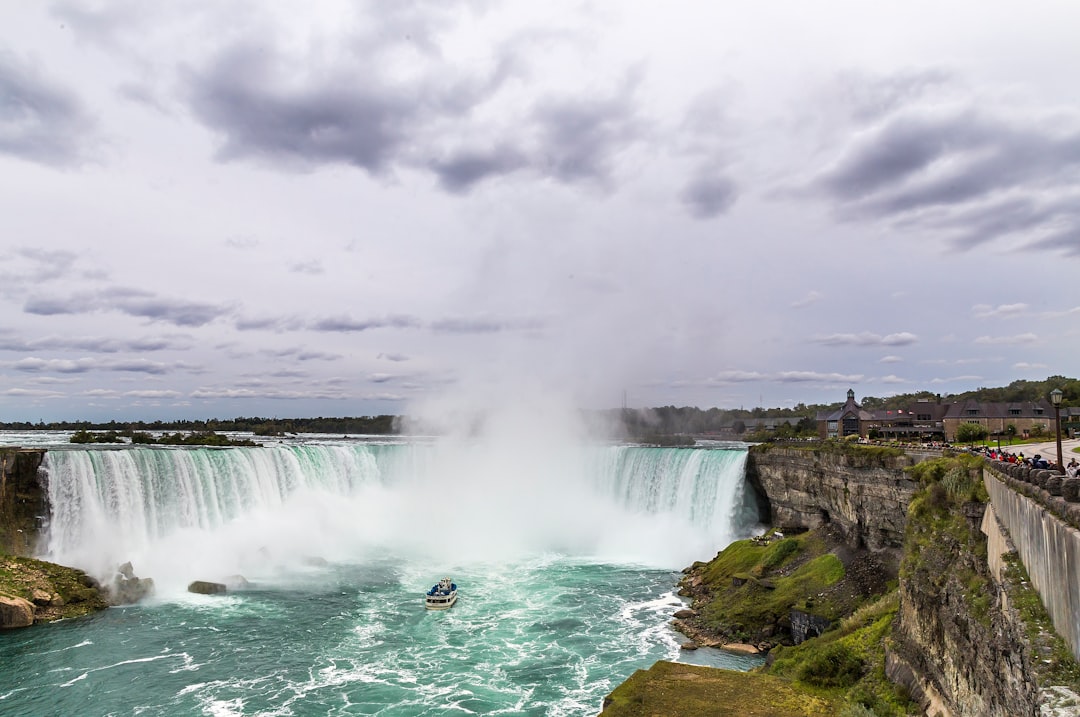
(1042, 527)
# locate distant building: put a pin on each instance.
(1025, 417)
(928, 420)
(850, 420)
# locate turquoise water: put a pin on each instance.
(566, 564)
(550, 636)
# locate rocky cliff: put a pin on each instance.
(23, 502)
(969, 639)
(862, 491)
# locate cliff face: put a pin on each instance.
(865, 495)
(23, 503)
(958, 647)
(959, 644)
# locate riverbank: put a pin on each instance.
(35, 591)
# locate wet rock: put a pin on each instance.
(127, 588)
(15, 612)
(205, 587)
(688, 645)
(685, 613)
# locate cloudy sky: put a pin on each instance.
(310, 208)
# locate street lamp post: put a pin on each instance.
(1055, 398)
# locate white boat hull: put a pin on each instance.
(440, 602)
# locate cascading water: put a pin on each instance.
(170, 510)
(566, 559)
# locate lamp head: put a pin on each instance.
(1055, 396)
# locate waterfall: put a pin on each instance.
(197, 513)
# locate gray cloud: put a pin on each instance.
(392, 357)
(95, 344)
(467, 167)
(132, 302)
(867, 338)
(244, 95)
(40, 120)
(812, 297)
(306, 393)
(349, 113)
(708, 196)
(347, 324)
(985, 311)
(33, 364)
(484, 325)
(816, 376)
(869, 98)
(580, 136)
(454, 325)
(32, 393)
(301, 354)
(313, 267)
(37, 365)
(1027, 338)
(976, 176)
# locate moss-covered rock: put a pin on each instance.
(750, 590)
(55, 591)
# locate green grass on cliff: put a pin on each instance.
(859, 454)
(672, 689)
(792, 572)
(848, 663)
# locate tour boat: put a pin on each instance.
(441, 596)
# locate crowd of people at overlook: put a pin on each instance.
(1036, 461)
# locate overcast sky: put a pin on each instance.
(213, 209)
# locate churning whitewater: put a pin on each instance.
(565, 559)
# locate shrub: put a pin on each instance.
(834, 665)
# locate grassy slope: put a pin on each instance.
(669, 688)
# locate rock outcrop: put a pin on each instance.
(15, 612)
(127, 588)
(863, 493)
(49, 591)
(206, 587)
(23, 501)
(958, 647)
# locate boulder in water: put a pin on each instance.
(689, 645)
(127, 588)
(15, 612)
(685, 613)
(205, 587)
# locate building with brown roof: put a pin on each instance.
(850, 420)
(929, 420)
(1024, 417)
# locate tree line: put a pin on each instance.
(648, 424)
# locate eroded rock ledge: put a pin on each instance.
(35, 591)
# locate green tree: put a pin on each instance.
(971, 432)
